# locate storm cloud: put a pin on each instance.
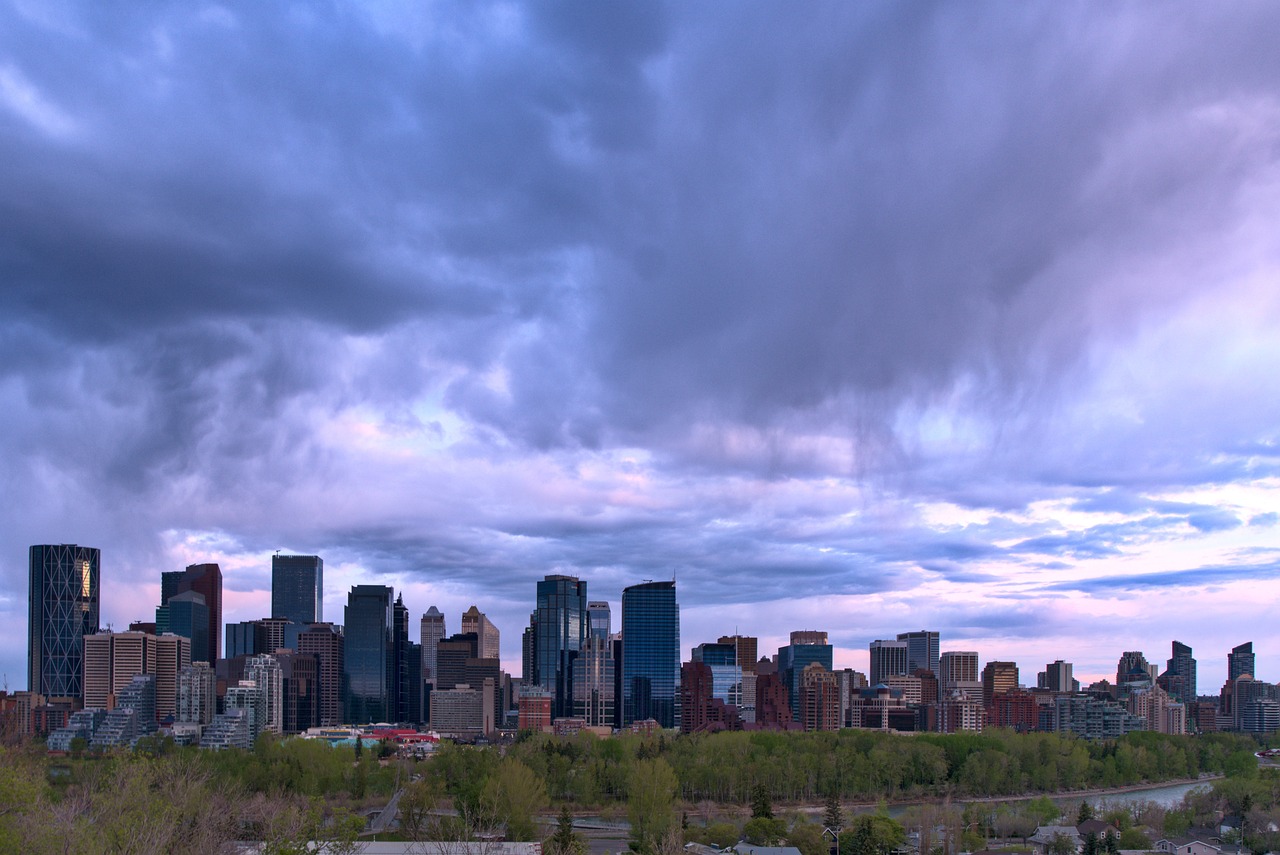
(865, 316)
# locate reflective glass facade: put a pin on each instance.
(297, 588)
(559, 630)
(205, 580)
(63, 609)
(726, 674)
(792, 660)
(651, 654)
(599, 620)
(369, 662)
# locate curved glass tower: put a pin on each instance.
(651, 654)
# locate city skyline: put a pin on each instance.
(859, 319)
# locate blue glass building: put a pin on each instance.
(62, 610)
(297, 588)
(187, 615)
(806, 647)
(651, 654)
(369, 662)
(559, 630)
(726, 673)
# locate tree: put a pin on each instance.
(808, 838)
(565, 841)
(1043, 810)
(416, 803)
(1132, 838)
(764, 831)
(1061, 844)
(871, 834)
(832, 815)
(761, 804)
(1085, 814)
(516, 794)
(651, 795)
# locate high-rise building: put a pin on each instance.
(113, 659)
(196, 694)
(1240, 661)
(819, 698)
(297, 588)
(325, 642)
(599, 619)
(1133, 671)
(1056, 677)
(806, 647)
(593, 680)
(1179, 678)
(431, 631)
(559, 625)
(407, 688)
(265, 635)
(474, 620)
(747, 647)
(958, 672)
(369, 654)
(922, 650)
(998, 678)
(62, 610)
(205, 580)
(887, 659)
(264, 672)
(650, 654)
(187, 615)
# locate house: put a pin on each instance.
(1045, 835)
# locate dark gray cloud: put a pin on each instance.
(771, 301)
(1198, 577)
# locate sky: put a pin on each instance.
(860, 317)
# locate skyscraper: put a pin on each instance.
(958, 672)
(205, 580)
(998, 678)
(599, 618)
(559, 625)
(650, 654)
(806, 647)
(187, 615)
(474, 620)
(1056, 677)
(888, 658)
(1179, 678)
(431, 631)
(297, 588)
(325, 642)
(369, 654)
(62, 610)
(922, 650)
(1240, 661)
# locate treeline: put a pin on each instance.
(849, 765)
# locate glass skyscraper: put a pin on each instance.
(651, 654)
(559, 630)
(806, 647)
(297, 588)
(62, 610)
(599, 620)
(205, 580)
(369, 654)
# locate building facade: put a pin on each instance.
(922, 650)
(369, 655)
(205, 580)
(62, 609)
(650, 654)
(558, 630)
(297, 588)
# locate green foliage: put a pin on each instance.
(808, 838)
(651, 795)
(565, 841)
(721, 835)
(871, 834)
(832, 815)
(1060, 844)
(761, 804)
(514, 794)
(1085, 813)
(1132, 838)
(764, 831)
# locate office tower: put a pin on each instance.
(62, 610)
(650, 654)
(559, 625)
(746, 646)
(369, 656)
(297, 588)
(922, 650)
(408, 668)
(113, 659)
(887, 658)
(958, 672)
(806, 647)
(1133, 668)
(593, 680)
(998, 678)
(1179, 678)
(474, 620)
(599, 619)
(300, 690)
(430, 632)
(726, 674)
(325, 642)
(187, 615)
(1056, 677)
(1240, 661)
(452, 654)
(265, 635)
(205, 580)
(819, 698)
